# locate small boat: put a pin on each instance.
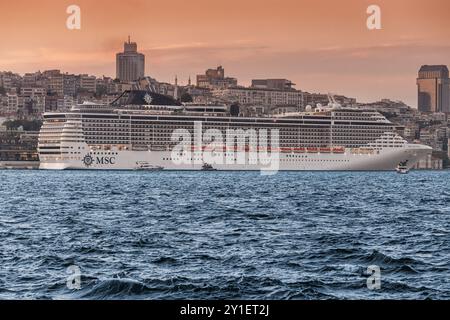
(208, 167)
(402, 167)
(145, 166)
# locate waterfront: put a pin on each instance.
(210, 235)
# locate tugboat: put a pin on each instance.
(208, 167)
(402, 167)
(145, 166)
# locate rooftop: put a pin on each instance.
(427, 68)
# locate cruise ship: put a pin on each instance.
(137, 131)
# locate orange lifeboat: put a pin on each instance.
(312, 150)
(286, 150)
(325, 150)
(338, 150)
(299, 150)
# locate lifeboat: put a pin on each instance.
(338, 150)
(312, 150)
(325, 150)
(286, 150)
(299, 150)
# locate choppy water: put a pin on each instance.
(217, 235)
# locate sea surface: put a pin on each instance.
(223, 235)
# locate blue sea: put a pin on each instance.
(223, 235)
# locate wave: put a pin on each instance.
(245, 287)
(379, 258)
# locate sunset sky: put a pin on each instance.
(321, 45)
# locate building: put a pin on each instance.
(36, 105)
(5, 81)
(34, 100)
(263, 97)
(434, 136)
(71, 84)
(215, 79)
(108, 98)
(88, 83)
(50, 73)
(387, 107)
(30, 79)
(130, 64)
(51, 103)
(279, 84)
(13, 103)
(200, 95)
(433, 89)
(430, 162)
(18, 145)
(56, 83)
(411, 132)
(448, 148)
(3, 105)
(33, 91)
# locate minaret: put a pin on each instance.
(189, 81)
(175, 94)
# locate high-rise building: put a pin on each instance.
(130, 64)
(433, 89)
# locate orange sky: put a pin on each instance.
(322, 45)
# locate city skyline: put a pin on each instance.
(326, 48)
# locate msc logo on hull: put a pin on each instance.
(88, 160)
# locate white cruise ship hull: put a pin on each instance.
(386, 160)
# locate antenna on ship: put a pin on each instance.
(332, 101)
